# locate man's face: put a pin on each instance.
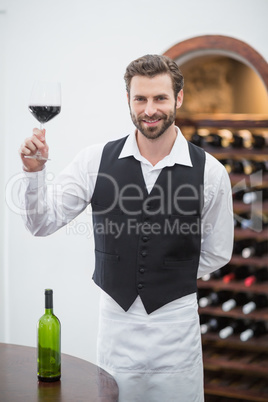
(152, 104)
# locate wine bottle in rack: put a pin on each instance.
(255, 249)
(212, 324)
(260, 275)
(257, 301)
(237, 141)
(253, 220)
(257, 194)
(250, 247)
(250, 196)
(238, 195)
(240, 245)
(259, 141)
(218, 274)
(243, 221)
(217, 141)
(197, 139)
(243, 166)
(238, 273)
(242, 139)
(214, 298)
(255, 330)
(238, 299)
(227, 163)
(237, 166)
(233, 327)
(260, 166)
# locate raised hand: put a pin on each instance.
(30, 147)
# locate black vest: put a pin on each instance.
(147, 244)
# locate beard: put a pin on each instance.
(166, 120)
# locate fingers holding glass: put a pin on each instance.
(34, 152)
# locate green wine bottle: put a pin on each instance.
(48, 343)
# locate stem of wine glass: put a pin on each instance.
(38, 154)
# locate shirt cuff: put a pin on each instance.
(35, 179)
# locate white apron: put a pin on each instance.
(155, 357)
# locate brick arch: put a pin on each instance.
(213, 44)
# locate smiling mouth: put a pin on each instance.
(151, 122)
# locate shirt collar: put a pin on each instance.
(179, 153)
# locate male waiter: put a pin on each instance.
(162, 215)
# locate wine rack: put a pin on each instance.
(234, 369)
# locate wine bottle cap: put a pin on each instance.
(225, 142)
(204, 328)
(48, 298)
(249, 197)
(250, 280)
(225, 332)
(247, 252)
(228, 168)
(249, 307)
(48, 291)
(247, 167)
(246, 223)
(206, 277)
(247, 143)
(203, 302)
(246, 335)
(228, 305)
(228, 278)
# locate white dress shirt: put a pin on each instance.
(154, 357)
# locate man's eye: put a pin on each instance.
(161, 98)
(139, 99)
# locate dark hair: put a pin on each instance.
(152, 65)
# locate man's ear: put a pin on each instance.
(179, 99)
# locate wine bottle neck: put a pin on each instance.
(48, 299)
(49, 311)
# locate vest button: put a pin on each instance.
(142, 270)
(145, 238)
(140, 286)
(144, 253)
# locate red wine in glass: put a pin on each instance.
(44, 113)
(44, 104)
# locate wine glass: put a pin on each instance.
(44, 104)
